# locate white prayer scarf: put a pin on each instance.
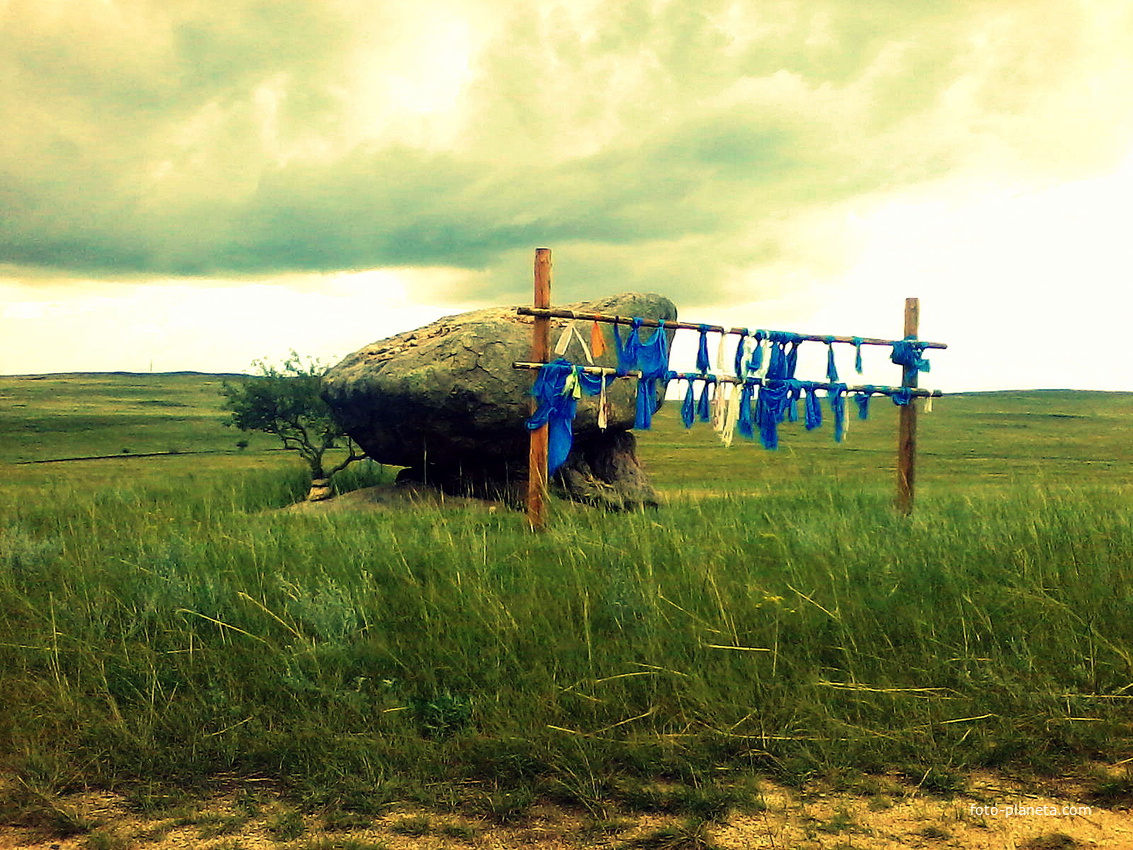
(571, 332)
(732, 416)
(603, 407)
(718, 405)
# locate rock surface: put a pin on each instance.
(445, 401)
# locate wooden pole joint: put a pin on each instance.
(540, 353)
(907, 423)
(538, 475)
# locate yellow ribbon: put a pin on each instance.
(571, 385)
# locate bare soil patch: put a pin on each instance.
(391, 497)
(991, 813)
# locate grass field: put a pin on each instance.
(161, 625)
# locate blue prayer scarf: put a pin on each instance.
(831, 368)
(902, 396)
(812, 408)
(793, 394)
(770, 405)
(908, 352)
(652, 359)
(784, 354)
(837, 396)
(858, 341)
(703, 410)
(756, 361)
(862, 400)
(745, 424)
(702, 361)
(556, 407)
(739, 364)
(688, 406)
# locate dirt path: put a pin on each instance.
(992, 813)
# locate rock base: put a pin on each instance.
(320, 490)
(602, 470)
(446, 401)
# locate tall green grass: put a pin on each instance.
(161, 621)
(154, 631)
(57, 416)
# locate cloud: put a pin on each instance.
(689, 142)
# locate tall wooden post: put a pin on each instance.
(540, 353)
(907, 427)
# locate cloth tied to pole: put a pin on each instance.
(756, 361)
(746, 424)
(784, 354)
(861, 399)
(702, 362)
(770, 407)
(558, 387)
(739, 364)
(837, 395)
(902, 396)
(703, 409)
(597, 340)
(811, 408)
(908, 352)
(858, 342)
(688, 406)
(651, 358)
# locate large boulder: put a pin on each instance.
(445, 402)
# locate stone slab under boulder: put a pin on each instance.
(390, 497)
(445, 402)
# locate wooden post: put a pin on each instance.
(907, 426)
(540, 353)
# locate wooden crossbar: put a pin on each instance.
(540, 354)
(729, 379)
(690, 326)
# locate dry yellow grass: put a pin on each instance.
(893, 815)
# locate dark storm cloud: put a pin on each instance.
(254, 138)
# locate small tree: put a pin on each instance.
(285, 401)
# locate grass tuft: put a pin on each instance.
(692, 834)
(1113, 788)
(24, 805)
(325, 843)
(108, 839)
(286, 825)
(1050, 841)
(416, 826)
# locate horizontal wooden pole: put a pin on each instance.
(589, 370)
(555, 313)
(728, 379)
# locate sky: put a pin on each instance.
(197, 184)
